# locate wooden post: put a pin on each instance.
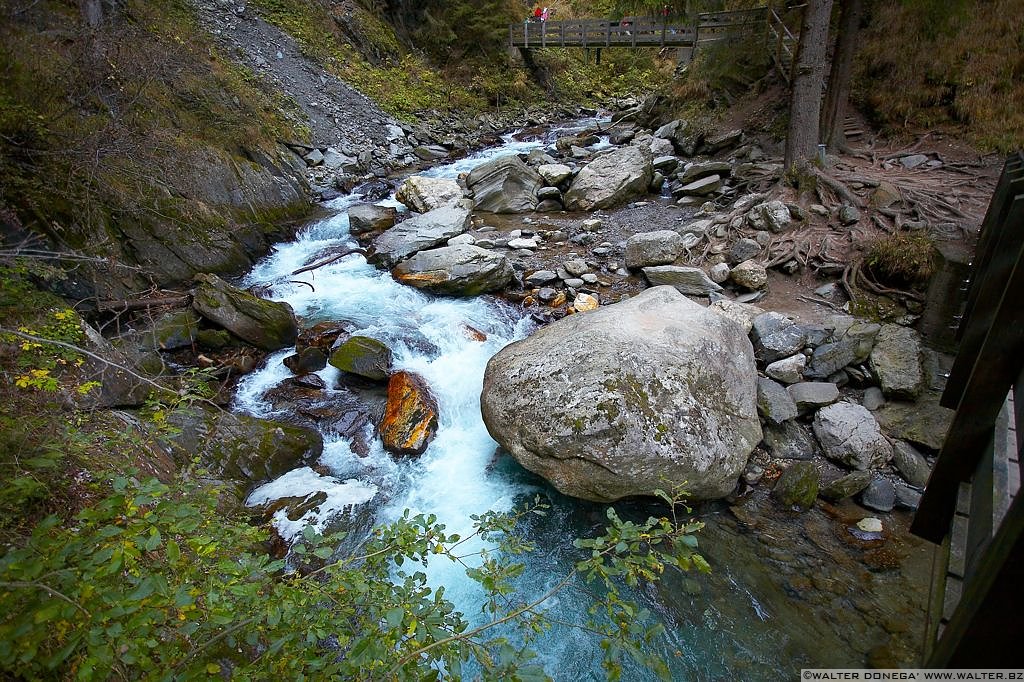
(607, 39)
(561, 32)
(543, 33)
(526, 33)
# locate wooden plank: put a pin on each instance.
(933, 614)
(979, 527)
(996, 362)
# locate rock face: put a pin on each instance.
(850, 435)
(610, 180)
(410, 416)
(504, 185)
(364, 356)
(268, 325)
(460, 270)
(896, 360)
(419, 233)
(666, 396)
(423, 194)
(653, 248)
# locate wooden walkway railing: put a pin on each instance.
(634, 32)
(971, 506)
(785, 44)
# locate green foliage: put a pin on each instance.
(904, 259)
(155, 583)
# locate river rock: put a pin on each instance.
(460, 270)
(421, 232)
(410, 415)
(540, 278)
(653, 248)
(846, 486)
(873, 398)
(323, 335)
(896, 361)
(907, 497)
(504, 185)
(789, 440)
(310, 359)
(776, 336)
(423, 194)
(879, 495)
(268, 325)
(722, 141)
(742, 314)
(610, 180)
(549, 193)
(696, 170)
(788, 370)
(173, 330)
(811, 395)
(687, 280)
(665, 397)
(702, 187)
(364, 356)
(363, 218)
(849, 434)
(923, 422)
(911, 464)
(555, 173)
(798, 485)
(744, 249)
(771, 215)
(750, 275)
(773, 402)
(585, 303)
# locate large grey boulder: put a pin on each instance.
(422, 194)
(849, 434)
(687, 280)
(363, 218)
(653, 248)
(611, 179)
(896, 361)
(649, 393)
(419, 233)
(460, 270)
(504, 185)
(269, 325)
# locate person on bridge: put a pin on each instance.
(537, 13)
(545, 15)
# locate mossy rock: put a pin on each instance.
(798, 485)
(173, 330)
(268, 325)
(214, 339)
(846, 486)
(364, 356)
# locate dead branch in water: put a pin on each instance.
(329, 260)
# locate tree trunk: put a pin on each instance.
(833, 114)
(809, 75)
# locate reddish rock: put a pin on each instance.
(473, 334)
(410, 416)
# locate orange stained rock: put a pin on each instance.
(410, 416)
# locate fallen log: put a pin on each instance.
(128, 305)
(329, 260)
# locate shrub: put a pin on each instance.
(902, 260)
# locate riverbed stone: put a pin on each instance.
(798, 485)
(610, 179)
(742, 314)
(410, 415)
(423, 194)
(789, 440)
(555, 173)
(750, 275)
(308, 360)
(846, 486)
(268, 325)
(896, 361)
(540, 277)
(460, 270)
(364, 356)
(363, 218)
(788, 370)
(873, 398)
(667, 396)
(743, 249)
(719, 273)
(504, 185)
(774, 404)
(660, 247)
(911, 464)
(687, 280)
(777, 336)
(702, 187)
(421, 232)
(879, 495)
(585, 303)
(849, 434)
(923, 422)
(907, 497)
(812, 395)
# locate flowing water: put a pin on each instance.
(769, 607)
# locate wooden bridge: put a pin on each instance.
(972, 506)
(709, 27)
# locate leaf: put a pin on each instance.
(213, 668)
(394, 617)
(173, 551)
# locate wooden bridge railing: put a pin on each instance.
(971, 506)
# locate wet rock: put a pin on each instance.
(584, 303)
(846, 486)
(686, 280)
(363, 356)
(811, 395)
(750, 275)
(430, 152)
(869, 524)
(421, 232)
(896, 361)
(310, 381)
(410, 415)
(268, 325)
(323, 335)
(907, 497)
(309, 360)
(423, 194)
(540, 277)
(849, 434)
(798, 485)
(601, 429)
(363, 218)
(789, 440)
(787, 370)
(504, 185)
(911, 464)
(880, 495)
(460, 270)
(610, 180)
(653, 248)
(774, 404)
